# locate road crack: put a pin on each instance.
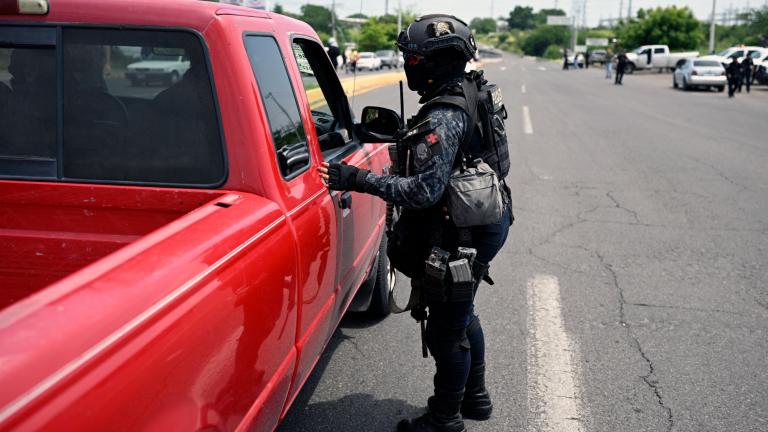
(649, 379)
(618, 205)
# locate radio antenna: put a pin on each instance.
(402, 107)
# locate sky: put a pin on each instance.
(468, 9)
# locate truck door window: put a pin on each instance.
(109, 105)
(330, 110)
(28, 111)
(658, 50)
(279, 101)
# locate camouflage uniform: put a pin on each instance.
(434, 144)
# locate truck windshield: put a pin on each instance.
(726, 53)
(107, 105)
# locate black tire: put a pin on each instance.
(674, 81)
(172, 79)
(384, 283)
(720, 89)
(629, 68)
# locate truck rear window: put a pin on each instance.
(108, 105)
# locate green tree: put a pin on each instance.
(521, 18)
(483, 25)
(673, 26)
(757, 26)
(376, 35)
(318, 17)
(537, 41)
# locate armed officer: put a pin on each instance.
(436, 49)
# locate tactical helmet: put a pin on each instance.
(432, 33)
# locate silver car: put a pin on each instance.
(690, 73)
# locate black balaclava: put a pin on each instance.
(427, 74)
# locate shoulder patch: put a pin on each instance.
(424, 126)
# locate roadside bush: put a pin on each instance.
(537, 42)
(554, 52)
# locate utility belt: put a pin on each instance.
(447, 277)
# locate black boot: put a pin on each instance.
(477, 402)
(442, 415)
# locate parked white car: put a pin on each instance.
(166, 69)
(740, 52)
(368, 60)
(655, 57)
(690, 73)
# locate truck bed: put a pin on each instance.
(49, 230)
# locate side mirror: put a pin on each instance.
(380, 124)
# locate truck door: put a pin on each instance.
(359, 216)
(644, 58)
(310, 209)
(660, 57)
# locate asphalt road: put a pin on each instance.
(632, 294)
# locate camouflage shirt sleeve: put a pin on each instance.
(434, 153)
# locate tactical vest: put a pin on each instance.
(483, 103)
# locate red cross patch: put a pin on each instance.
(432, 138)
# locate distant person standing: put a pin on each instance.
(733, 73)
(621, 63)
(333, 52)
(353, 56)
(608, 63)
(587, 55)
(747, 66)
(565, 58)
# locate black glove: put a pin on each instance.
(346, 177)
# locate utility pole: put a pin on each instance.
(333, 19)
(712, 28)
(492, 9)
(621, 9)
(629, 11)
(575, 13)
(386, 7)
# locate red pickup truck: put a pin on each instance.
(169, 256)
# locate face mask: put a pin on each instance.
(416, 72)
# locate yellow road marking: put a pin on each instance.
(353, 87)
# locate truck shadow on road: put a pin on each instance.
(353, 412)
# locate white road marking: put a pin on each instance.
(522, 89)
(527, 125)
(542, 68)
(554, 394)
(503, 68)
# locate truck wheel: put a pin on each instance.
(172, 79)
(384, 283)
(629, 69)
